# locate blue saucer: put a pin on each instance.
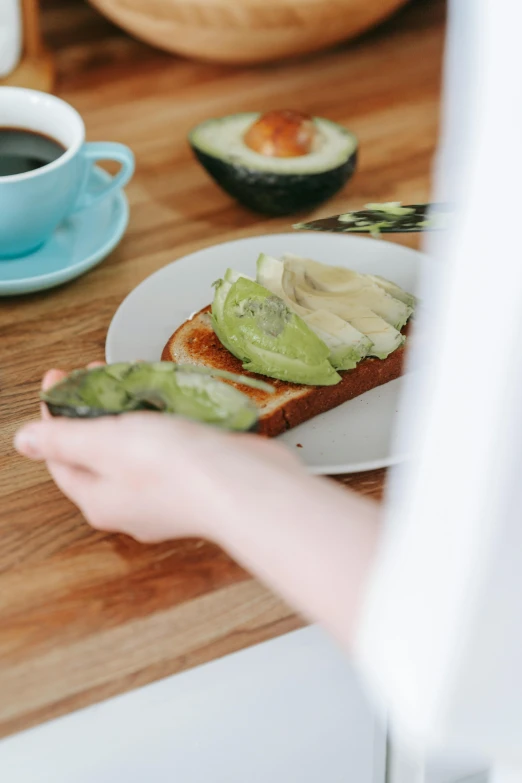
(77, 245)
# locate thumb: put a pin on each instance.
(80, 443)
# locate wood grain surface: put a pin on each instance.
(85, 615)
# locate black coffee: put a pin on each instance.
(24, 150)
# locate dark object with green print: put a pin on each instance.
(386, 218)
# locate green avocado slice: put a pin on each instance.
(270, 339)
(347, 345)
(221, 289)
(394, 290)
(342, 284)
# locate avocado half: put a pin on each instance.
(194, 392)
(272, 185)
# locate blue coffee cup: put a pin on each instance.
(35, 202)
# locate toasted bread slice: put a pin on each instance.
(195, 342)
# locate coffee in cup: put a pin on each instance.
(45, 168)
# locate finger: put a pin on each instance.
(107, 445)
(91, 365)
(52, 377)
(80, 443)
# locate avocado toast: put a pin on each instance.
(285, 326)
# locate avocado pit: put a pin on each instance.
(283, 134)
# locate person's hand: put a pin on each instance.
(158, 477)
(153, 476)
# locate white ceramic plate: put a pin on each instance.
(355, 436)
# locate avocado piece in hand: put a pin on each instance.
(90, 393)
(194, 393)
(270, 339)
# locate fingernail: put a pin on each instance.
(26, 443)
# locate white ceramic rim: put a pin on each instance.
(71, 150)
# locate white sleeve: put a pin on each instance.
(440, 635)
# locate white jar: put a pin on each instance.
(10, 35)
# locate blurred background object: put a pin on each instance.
(24, 60)
(10, 36)
(246, 31)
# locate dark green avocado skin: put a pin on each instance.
(71, 412)
(93, 413)
(276, 194)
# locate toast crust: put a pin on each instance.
(299, 403)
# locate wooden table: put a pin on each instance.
(85, 615)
